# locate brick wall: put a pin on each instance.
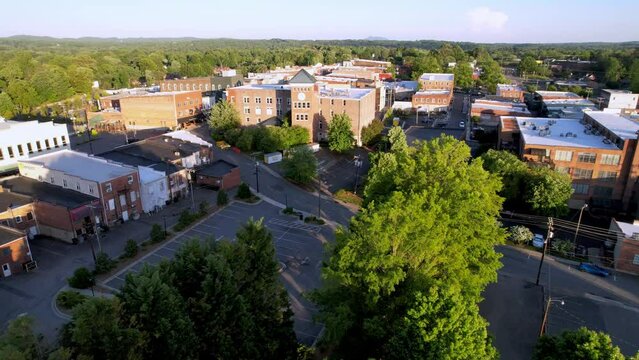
(15, 254)
(26, 216)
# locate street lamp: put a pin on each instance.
(358, 164)
(257, 177)
(581, 212)
(542, 329)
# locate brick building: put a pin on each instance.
(17, 211)
(15, 253)
(220, 174)
(312, 104)
(510, 91)
(626, 253)
(117, 186)
(599, 153)
(489, 111)
(56, 212)
(151, 110)
(436, 81)
(432, 100)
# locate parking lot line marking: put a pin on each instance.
(160, 256)
(170, 248)
(219, 238)
(232, 211)
(201, 232)
(42, 248)
(224, 216)
(209, 226)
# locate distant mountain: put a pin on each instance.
(376, 38)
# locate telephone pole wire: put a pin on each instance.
(549, 236)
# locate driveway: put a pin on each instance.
(297, 245)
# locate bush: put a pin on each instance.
(104, 263)
(130, 249)
(520, 235)
(243, 192)
(204, 207)
(70, 299)
(288, 211)
(222, 198)
(186, 219)
(314, 220)
(563, 247)
(231, 136)
(300, 166)
(371, 134)
(348, 197)
(82, 278)
(157, 234)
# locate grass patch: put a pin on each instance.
(348, 197)
(314, 220)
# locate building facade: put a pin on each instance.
(437, 81)
(20, 140)
(626, 251)
(619, 99)
(510, 91)
(17, 211)
(432, 100)
(15, 253)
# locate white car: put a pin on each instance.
(462, 124)
(538, 241)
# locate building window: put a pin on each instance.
(111, 204)
(580, 188)
(332, 102)
(232, 99)
(64, 183)
(47, 144)
(279, 101)
(602, 191)
(279, 112)
(129, 179)
(52, 180)
(269, 100)
(64, 140)
(587, 157)
(29, 148)
(1, 155)
(20, 150)
(18, 219)
(582, 173)
(607, 176)
(610, 159)
(246, 100)
(134, 196)
(562, 155)
(77, 186)
(258, 100)
(247, 110)
(55, 142)
(38, 146)
(258, 111)
(29, 216)
(636, 259)
(10, 151)
(90, 189)
(288, 102)
(344, 103)
(248, 119)
(108, 188)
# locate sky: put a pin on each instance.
(511, 21)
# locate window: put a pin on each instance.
(134, 196)
(279, 101)
(279, 112)
(258, 111)
(258, 100)
(269, 111)
(580, 188)
(582, 173)
(55, 142)
(562, 155)
(47, 144)
(29, 215)
(248, 119)
(18, 219)
(1, 155)
(332, 102)
(344, 103)
(288, 102)
(247, 110)
(609, 159)
(20, 150)
(108, 188)
(246, 100)
(91, 189)
(10, 151)
(129, 179)
(607, 176)
(29, 148)
(587, 157)
(39, 146)
(64, 183)
(636, 259)
(233, 99)
(52, 180)
(602, 191)
(269, 100)
(77, 186)
(111, 204)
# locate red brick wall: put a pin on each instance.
(624, 261)
(22, 211)
(15, 254)
(122, 186)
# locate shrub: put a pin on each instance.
(222, 198)
(157, 234)
(130, 249)
(70, 299)
(314, 220)
(520, 234)
(204, 207)
(348, 197)
(288, 211)
(371, 134)
(103, 263)
(243, 192)
(563, 247)
(300, 166)
(185, 219)
(82, 278)
(232, 135)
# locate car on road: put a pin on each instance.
(538, 241)
(462, 124)
(593, 269)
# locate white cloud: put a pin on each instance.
(483, 19)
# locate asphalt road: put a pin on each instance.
(513, 305)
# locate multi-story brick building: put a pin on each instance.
(436, 81)
(432, 100)
(489, 111)
(17, 211)
(20, 140)
(599, 153)
(151, 110)
(211, 87)
(311, 104)
(15, 253)
(117, 186)
(60, 213)
(626, 251)
(510, 91)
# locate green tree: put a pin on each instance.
(633, 73)
(548, 191)
(97, 332)
(613, 71)
(223, 117)
(19, 341)
(463, 75)
(397, 139)
(300, 165)
(130, 248)
(520, 234)
(7, 108)
(243, 191)
(371, 134)
(222, 198)
(340, 135)
(491, 75)
(581, 344)
(157, 311)
(23, 95)
(81, 79)
(415, 260)
(426, 63)
(51, 83)
(511, 170)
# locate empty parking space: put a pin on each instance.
(298, 246)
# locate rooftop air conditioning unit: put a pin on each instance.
(561, 135)
(574, 135)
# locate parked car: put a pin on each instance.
(462, 124)
(593, 269)
(222, 145)
(538, 241)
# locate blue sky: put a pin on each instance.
(477, 21)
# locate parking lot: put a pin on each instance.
(297, 245)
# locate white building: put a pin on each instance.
(153, 189)
(20, 140)
(619, 99)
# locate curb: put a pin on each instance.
(54, 305)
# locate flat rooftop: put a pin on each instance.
(348, 93)
(81, 165)
(617, 91)
(558, 94)
(217, 168)
(511, 87)
(498, 106)
(432, 92)
(264, 87)
(622, 127)
(559, 132)
(8, 124)
(9, 199)
(437, 77)
(46, 192)
(558, 103)
(147, 94)
(8, 235)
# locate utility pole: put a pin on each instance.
(544, 320)
(95, 228)
(191, 179)
(358, 164)
(164, 218)
(257, 177)
(549, 235)
(577, 229)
